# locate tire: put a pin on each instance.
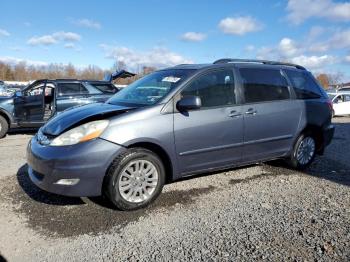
(301, 163)
(124, 174)
(4, 126)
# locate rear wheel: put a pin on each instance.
(4, 127)
(135, 179)
(303, 152)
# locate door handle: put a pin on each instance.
(234, 113)
(251, 111)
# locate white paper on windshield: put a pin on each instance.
(171, 79)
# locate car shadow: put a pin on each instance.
(40, 195)
(22, 131)
(57, 215)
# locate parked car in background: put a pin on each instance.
(4, 90)
(344, 89)
(341, 103)
(180, 121)
(33, 105)
(38, 102)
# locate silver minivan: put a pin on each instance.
(181, 121)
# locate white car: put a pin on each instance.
(341, 103)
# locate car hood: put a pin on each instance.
(5, 99)
(80, 115)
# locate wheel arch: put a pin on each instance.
(317, 133)
(161, 153)
(7, 117)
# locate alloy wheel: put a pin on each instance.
(138, 181)
(306, 150)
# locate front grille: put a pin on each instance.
(38, 175)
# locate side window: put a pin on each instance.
(97, 88)
(347, 98)
(35, 90)
(262, 85)
(215, 89)
(66, 89)
(304, 86)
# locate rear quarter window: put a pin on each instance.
(261, 85)
(304, 85)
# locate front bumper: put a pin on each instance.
(86, 162)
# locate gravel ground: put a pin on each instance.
(262, 212)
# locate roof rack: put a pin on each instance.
(265, 62)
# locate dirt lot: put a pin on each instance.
(258, 212)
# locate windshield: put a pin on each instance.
(151, 88)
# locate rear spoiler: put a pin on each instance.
(117, 75)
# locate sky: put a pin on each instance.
(313, 33)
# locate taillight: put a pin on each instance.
(330, 105)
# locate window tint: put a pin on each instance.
(214, 89)
(105, 88)
(263, 85)
(304, 86)
(71, 89)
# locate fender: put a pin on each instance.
(8, 117)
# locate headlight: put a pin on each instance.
(81, 133)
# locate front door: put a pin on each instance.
(270, 116)
(212, 136)
(29, 108)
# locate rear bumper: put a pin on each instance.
(84, 163)
(328, 134)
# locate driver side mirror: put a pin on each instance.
(189, 103)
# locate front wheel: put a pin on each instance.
(303, 152)
(135, 179)
(4, 127)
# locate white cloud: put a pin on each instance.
(193, 37)
(347, 59)
(340, 39)
(157, 57)
(13, 61)
(249, 48)
(314, 62)
(54, 38)
(88, 23)
(69, 46)
(301, 10)
(288, 47)
(66, 36)
(288, 50)
(239, 25)
(42, 40)
(285, 49)
(3, 32)
(72, 46)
